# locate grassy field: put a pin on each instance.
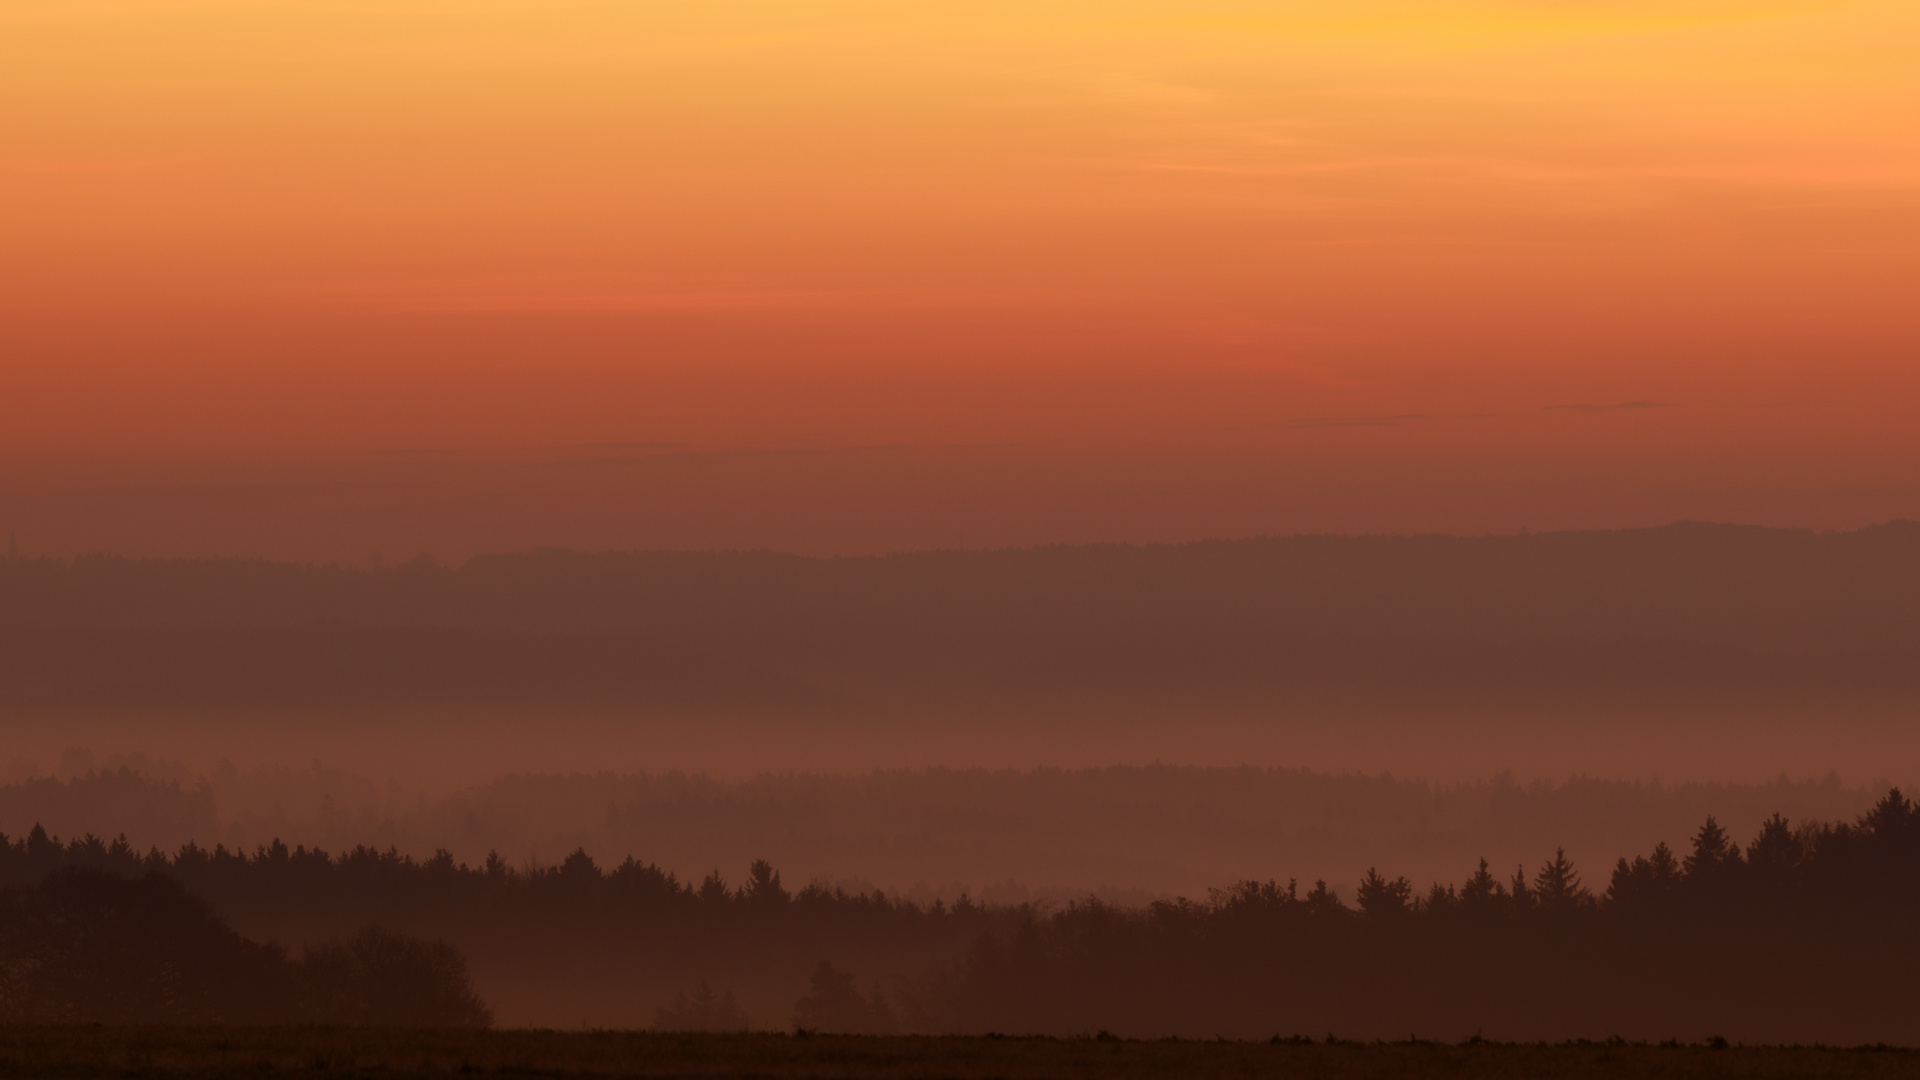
(98, 1051)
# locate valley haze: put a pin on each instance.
(1146, 719)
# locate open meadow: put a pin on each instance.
(95, 1051)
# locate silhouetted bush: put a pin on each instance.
(380, 979)
(89, 946)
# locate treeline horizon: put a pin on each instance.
(1127, 832)
(1744, 616)
(1805, 933)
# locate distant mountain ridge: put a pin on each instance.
(1731, 612)
(1746, 585)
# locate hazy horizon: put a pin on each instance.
(1034, 450)
(1688, 652)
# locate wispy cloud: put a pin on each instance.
(1618, 406)
(689, 455)
(1353, 421)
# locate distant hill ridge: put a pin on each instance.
(1756, 586)
(1307, 618)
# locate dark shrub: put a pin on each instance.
(381, 979)
(86, 946)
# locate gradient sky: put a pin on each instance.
(316, 279)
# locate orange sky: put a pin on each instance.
(314, 279)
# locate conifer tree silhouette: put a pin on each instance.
(1382, 899)
(1557, 889)
(1712, 853)
(763, 885)
(1321, 902)
(1482, 890)
(1776, 853)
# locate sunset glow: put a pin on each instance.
(309, 279)
(1109, 539)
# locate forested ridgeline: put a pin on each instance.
(1806, 933)
(1736, 613)
(555, 944)
(1006, 835)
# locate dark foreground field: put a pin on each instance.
(100, 1051)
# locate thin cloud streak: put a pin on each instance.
(1620, 406)
(681, 457)
(1354, 421)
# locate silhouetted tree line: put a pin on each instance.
(622, 939)
(1136, 828)
(1808, 933)
(574, 894)
(88, 946)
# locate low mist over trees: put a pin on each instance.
(702, 1010)
(833, 1002)
(1806, 932)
